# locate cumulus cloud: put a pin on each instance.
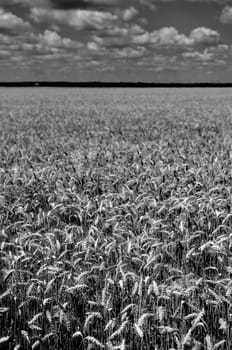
(53, 39)
(163, 36)
(220, 49)
(148, 3)
(115, 32)
(209, 56)
(129, 13)
(129, 52)
(22, 2)
(112, 42)
(171, 36)
(5, 39)
(78, 19)
(166, 37)
(12, 23)
(226, 15)
(117, 36)
(12, 45)
(44, 45)
(204, 35)
(204, 56)
(4, 54)
(92, 46)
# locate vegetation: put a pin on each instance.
(116, 219)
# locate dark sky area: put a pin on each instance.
(116, 40)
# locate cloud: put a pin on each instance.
(129, 13)
(204, 35)
(44, 46)
(112, 42)
(92, 46)
(148, 3)
(5, 39)
(122, 31)
(10, 23)
(21, 2)
(4, 54)
(170, 36)
(220, 49)
(116, 36)
(163, 36)
(205, 56)
(53, 39)
(129, 52)
(208, 57)
(77, 19)
(11, 46)
(226, 15)
(135, 37)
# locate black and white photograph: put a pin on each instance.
(116, 174)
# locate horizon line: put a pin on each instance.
(40, 83)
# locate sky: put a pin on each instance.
(116, 40)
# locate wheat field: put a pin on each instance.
(116, 219)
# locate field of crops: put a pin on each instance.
(115, 219)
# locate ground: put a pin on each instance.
(115, 216)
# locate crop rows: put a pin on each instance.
(115, 220)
